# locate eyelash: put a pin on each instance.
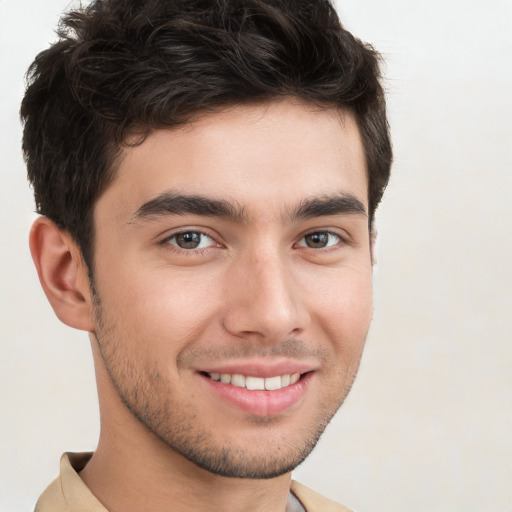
(199, 252)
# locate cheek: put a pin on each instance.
(159, 309)
(343, 308)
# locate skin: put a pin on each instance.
(254, 294)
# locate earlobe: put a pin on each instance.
(62, 274)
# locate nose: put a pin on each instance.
(263, 300)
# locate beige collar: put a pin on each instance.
(68, 493)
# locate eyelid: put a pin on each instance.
(169, 233)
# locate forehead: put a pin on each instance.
(253, 155)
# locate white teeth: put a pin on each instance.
(272, 383)
(225, 378)
(256, 383)
(238, 380)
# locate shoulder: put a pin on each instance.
(314, 502)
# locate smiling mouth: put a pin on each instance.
(255, 383)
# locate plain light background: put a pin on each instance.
(428, 426)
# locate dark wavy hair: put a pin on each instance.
(126, 67)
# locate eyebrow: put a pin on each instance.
(170, 203)
(341, 204)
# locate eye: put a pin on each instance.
(319, 240)
(189, 240)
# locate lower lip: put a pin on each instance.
(260, 402)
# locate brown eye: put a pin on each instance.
(320, 240)
(191, 240)
(188, 240)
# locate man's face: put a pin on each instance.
(237, 248)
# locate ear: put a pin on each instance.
(62, 273)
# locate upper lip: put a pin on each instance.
(259, 368)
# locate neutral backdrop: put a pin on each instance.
(428, 426)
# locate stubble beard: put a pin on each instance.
(147, 394)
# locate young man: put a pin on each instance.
(207, 174)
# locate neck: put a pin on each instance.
(133, 470)
(131, 480)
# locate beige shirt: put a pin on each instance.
(68, 493)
